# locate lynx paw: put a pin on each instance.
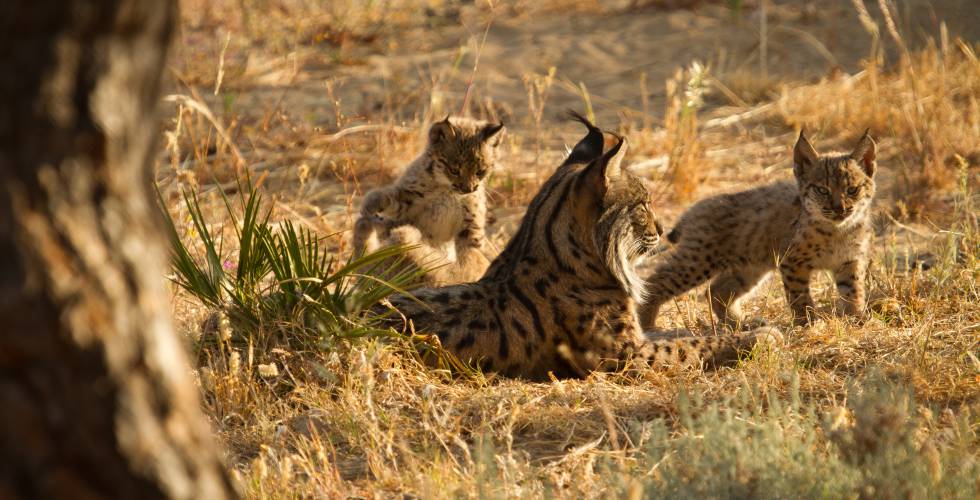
(374, 202)
(767, 335)
(405, 235)
(860, 318)
(752, 324)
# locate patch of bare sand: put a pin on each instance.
(607, 53)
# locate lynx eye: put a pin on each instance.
(822, 191)
(853, 191)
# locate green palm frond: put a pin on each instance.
(286, 286)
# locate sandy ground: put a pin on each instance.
(607, 52)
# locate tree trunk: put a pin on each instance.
(96, 398)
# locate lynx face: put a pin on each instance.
(645, 225)
(630, 220)
(463, 152)
(627, 228)
(835, 188)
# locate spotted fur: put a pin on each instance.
(561, 298)
(438, 204)
(822, 221)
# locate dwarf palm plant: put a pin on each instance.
(286, 286)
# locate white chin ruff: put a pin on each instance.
(856, 216)
(633, 282)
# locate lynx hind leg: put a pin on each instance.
(729, 288)
(680, 271)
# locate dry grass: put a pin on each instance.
(887, 408)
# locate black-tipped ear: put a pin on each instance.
(866, 153)
(804, 155)
(441, 130)
(590, 147)
(491, 130)
(604, 171)
(614, 159)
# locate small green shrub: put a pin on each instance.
(768, 446)
(285, 288)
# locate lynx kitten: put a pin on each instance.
(438, 203)
(820, 222)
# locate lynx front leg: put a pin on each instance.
(680, 271)
(365, 238)
(471, 261)
(471, 238)
(372, 228)
(850, 277)
(648, 313)
(472, 232)
(796, 281)
(728, 288)
(377, 201)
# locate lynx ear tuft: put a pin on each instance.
(590, 147)
(866, 153)
(614, 159)
(604, 173)
(804, 156)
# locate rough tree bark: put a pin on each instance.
(96, 398)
